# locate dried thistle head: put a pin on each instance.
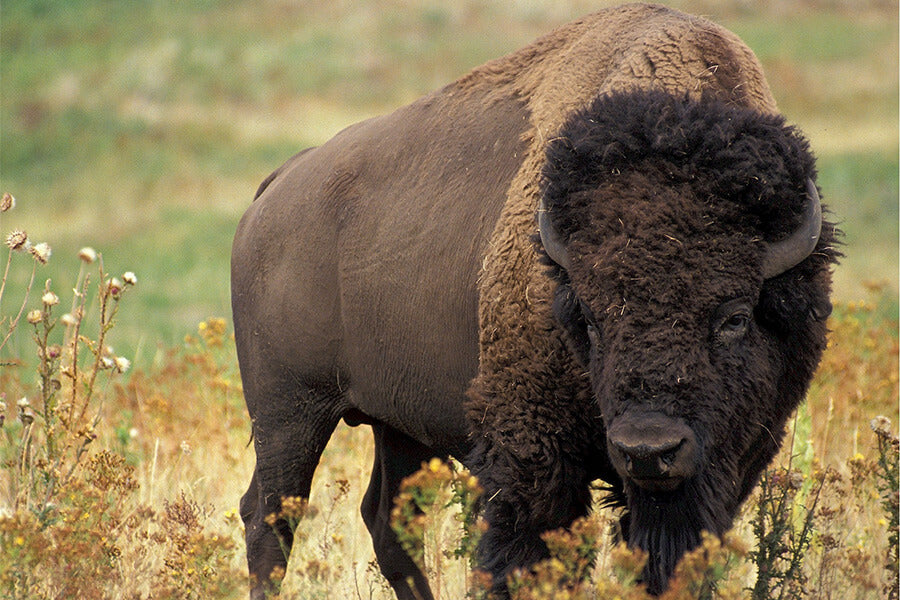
(881, 425)
(114, 287)
(7, 202)
(18, 240)
(41, 252)
(26, 414)
(87, 255)
(122, 364)
(50, 299)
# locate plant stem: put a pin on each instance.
(15, 322)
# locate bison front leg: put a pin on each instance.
(396, 457)
(523, 498)
(538, 443)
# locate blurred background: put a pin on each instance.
(142, 129)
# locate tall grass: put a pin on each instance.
(75, 519)
(806, 533)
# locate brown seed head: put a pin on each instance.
(17, 240)
(7, 202)
(41, 252)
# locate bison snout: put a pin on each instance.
(655, 451)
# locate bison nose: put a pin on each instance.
(646, 461)
(655, 451)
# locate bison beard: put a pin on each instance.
(666, 526)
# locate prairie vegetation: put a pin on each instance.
(142, 130)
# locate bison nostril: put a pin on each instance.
(649, 461)
(668, 457)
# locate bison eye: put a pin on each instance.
(733, 320)
(736, 323)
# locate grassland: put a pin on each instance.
(142, 129)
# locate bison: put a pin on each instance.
(600, 257)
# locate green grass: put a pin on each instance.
(143, 129)
(181, 258)
(813, 37)
(862, 191)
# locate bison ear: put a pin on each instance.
(795, 303)
(791, 251)
(820, 310)
(552, 242)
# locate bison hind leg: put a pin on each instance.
(291, 428)
(396, 457)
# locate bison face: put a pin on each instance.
(663, 305)
(699, 332)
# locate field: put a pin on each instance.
(142, 130)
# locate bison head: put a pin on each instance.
(694, 272)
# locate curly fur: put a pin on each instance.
(751, 160)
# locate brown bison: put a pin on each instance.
(599, 257)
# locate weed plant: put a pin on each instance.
(800, 545)
(73, 522)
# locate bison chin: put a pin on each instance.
(666, 525)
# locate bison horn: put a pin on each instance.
(553, 245)
(789, 252)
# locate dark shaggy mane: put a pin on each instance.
(751, 170)
(725, 153)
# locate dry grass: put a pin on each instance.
(140, 490)
(102, 493)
